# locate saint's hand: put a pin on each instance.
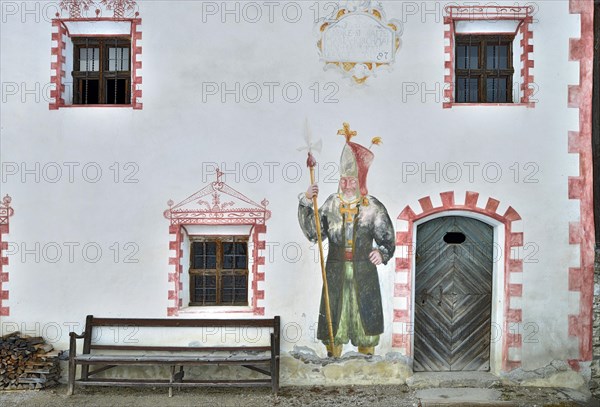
(312, 191)
(375, 257)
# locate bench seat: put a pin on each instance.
(171, 359)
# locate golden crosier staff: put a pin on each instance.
(311, 162)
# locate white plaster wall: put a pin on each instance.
(176, 134)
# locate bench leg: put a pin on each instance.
(72, 367)
(171, 381)
(275, 376)
(275, 360)
(180, 377)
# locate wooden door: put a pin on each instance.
(453, 295)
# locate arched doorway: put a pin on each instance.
(453, 294)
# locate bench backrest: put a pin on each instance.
(91, 322)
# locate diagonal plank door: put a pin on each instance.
(453, 287)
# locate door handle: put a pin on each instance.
(441, 294)
(424, 295)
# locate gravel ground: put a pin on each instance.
(400, 396)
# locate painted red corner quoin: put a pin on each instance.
(581, 232)
(523, 14)
(79, 11)
(513, 269)
(6, 211)
(57, 66)
(191, 212)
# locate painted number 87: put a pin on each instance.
(382, 55)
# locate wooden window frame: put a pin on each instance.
(482, 73)
(219, 271)
(103, 74)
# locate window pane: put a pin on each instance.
(90, 91)
(241, 283)
(228, 281)
(228, 261)
(460, 56)
(467, 90)
(211, 281)
(227, 296)
(116, 91)
(205, 289)
(240, 296)
(496, 90)
(211, 262)
(211, 248)
(198, 255)
(227, 288)
(241, 248)
(240, 262)
(497, 57)
(234, 289)
(118, 59)
(227, 248)
(474, 57)
(89, 59)
(198, 248)
(467, 57)
(198, 262)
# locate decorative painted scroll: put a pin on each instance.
(358, 40)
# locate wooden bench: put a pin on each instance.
(101, 357)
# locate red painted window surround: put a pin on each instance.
(59, 50)
(238, 210)
(521, 14)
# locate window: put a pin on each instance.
(484, 69)
(219, 270)
(217, 256)
(102, 71)
(96, 55)
(489, 56)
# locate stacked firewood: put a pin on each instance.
(27, 362)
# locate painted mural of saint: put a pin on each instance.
(361, 237)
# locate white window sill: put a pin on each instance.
(95, 106)
(491, 104)
(199, 310)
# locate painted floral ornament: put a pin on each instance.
(358, 40)
(77, 9)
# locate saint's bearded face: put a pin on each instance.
(349, 187)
